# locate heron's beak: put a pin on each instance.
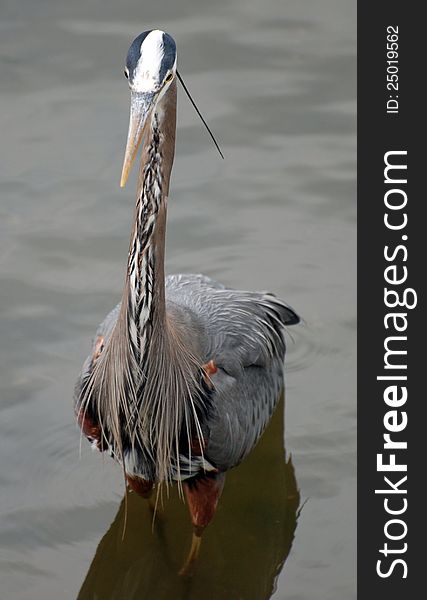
(140, 109)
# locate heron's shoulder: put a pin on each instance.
(239, 328)
(106, 327)
(190, 281)
(205, 295)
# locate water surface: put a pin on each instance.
(276, 81)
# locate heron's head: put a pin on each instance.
(150, 69)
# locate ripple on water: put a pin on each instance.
(302, 348)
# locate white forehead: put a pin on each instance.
(148, 70)
(153, 50)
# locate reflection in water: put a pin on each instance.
(243, 549)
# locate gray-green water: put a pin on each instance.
(276, 81)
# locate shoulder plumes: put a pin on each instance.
(150, 412)
(109, 392)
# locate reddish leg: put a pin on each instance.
(202, 495)
(141, 486)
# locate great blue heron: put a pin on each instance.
(184, 374)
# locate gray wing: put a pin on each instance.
(243, 332)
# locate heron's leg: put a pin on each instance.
(141, 486)
(144, 489)
(202, 495)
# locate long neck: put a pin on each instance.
(146, 385)
(144, 293)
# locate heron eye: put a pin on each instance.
(169, 78)
(126, 73)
